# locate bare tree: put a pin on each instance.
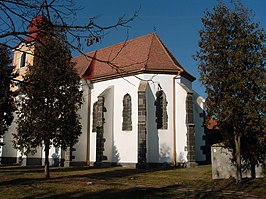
(16, 18)
(19, 24)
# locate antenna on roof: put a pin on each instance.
(154, 29)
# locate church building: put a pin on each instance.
(139, 109)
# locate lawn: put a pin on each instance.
(119, 182)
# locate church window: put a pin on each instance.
(161, 110)
(127, 113)
(22, 60)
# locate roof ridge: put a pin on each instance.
(148, 56)
(128, 40)
(170, 55)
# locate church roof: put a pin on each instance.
(145, 54)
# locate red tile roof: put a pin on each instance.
(34, 28)
(37, 23)
(212, 123)
(146, 54)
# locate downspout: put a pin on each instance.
(88, 122)
(174, 119)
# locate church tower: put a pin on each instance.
(22, 59)
(24, 51)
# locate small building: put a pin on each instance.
(212, 136)
(223, 168)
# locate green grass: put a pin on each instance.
(88, 182)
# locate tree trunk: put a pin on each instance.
(238, 159)
(46, 161)
(253, 169)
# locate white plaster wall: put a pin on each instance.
(108, 127)
(223, 168)
(8, 150)
(37, 154)
(153, 150)
(198, 121)
(184, 81)
(32, 158)
(53, 154)
(166, 147)
(80, 147)
(1, 141)
(92, 146)
(181, 128)
(165, 136)
(125, 142)
(124, 147)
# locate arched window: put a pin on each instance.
(161, 110)
(127, 113)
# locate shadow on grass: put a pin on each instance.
(31, 169)
(37, 169)
(113, 174)
(97, 174)
(139, 192)
(172, 191)
(199, 188)
(22, 181)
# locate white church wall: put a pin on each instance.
(125, 142)
(9, 153)
(153, 150)
(122, 146)
(1, 147)
(159, 142)
(181, 128)
(79, 153)
(80, 149)
(185, 81)
(108, 95)
(55, 155)
(33, 158)
(198, 121)
(92, 147)
(12, 155)
(165, 136)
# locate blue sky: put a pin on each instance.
(176, 22)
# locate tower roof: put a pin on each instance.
(37, 23)
(145, 54)
(36, 29)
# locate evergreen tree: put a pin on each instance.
(50, 98)
(6, 95)
(232, 68)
